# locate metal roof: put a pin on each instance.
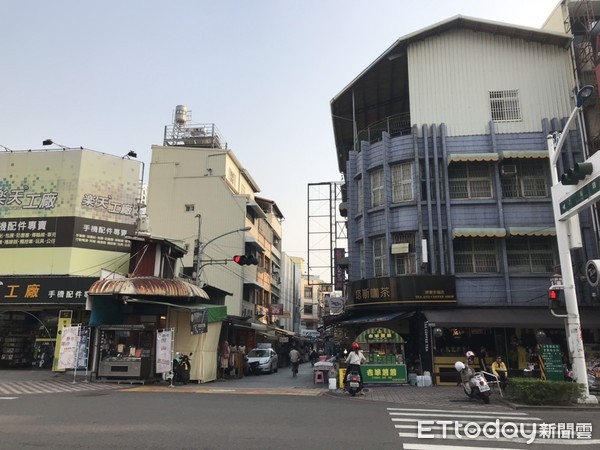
(146, 286)
(382, 89)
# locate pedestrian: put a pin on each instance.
(499, 369)
(295, 360)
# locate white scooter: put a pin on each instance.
(474, 383)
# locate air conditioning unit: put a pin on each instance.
(508, 170)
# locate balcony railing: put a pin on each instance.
(396, 125)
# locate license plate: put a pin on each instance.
(484, 388)
(354, 384)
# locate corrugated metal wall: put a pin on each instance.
(451, 75)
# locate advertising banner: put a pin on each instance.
(33, 290)
(164, 351)
(69, 345)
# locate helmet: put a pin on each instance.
(459, 365)
(470, 354)
(355, 346)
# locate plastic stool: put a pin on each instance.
(319, 378)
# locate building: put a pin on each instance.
(442, 143)
(200, 194)
(65, 216)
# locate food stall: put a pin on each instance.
(384, 350)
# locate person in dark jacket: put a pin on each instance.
(183, 369)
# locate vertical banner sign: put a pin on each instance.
(163, 351)
(199, 321)
(64, 320)
(83, 348)
(68, 348)
(338, 254)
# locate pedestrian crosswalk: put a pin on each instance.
(10, 389)
(441, 429)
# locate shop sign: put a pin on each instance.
(199, 321)
(551, 362)
(336, 305)
(384, 373)
(379, 335)
(44, 290)
(339, 253)
(414, 291)
(276, 309)
(310, 333)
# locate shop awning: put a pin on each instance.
(374, 318)
(462, 157)
(146, 286)
(478, 232)
(506, 317)
(532, 231)
(524, 154)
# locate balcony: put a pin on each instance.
(396, 125)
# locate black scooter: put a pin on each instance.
(353, 382)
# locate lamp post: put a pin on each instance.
(200, 246)
(573, 325)
(51, 142)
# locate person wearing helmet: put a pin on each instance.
(354, 359)
(465, 370)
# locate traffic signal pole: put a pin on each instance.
(573, 325)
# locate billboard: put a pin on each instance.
(71, 199)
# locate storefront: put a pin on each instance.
(384, 350)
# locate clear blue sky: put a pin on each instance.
(107, 75)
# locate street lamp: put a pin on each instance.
(573, 325)
(51, 142)
(200, 246)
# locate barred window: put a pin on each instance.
(377, 188)
(380, 265)
(402, 182)
(531, 254)
(505, 106)
(470, 180)
(523, 178)
(406, 263)
(308, 292)
(475, 255)
(359, 195)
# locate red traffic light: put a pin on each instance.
(553, 294)
(240, 259)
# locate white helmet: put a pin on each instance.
(459, 365)
(470, 354)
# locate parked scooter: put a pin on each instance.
(474, 383)
(353, 382)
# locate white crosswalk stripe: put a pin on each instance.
(52, 387)
(420, 429)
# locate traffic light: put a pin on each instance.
(554, 298)
(576, 173)
(245, 260)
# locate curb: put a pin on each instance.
(517, 406)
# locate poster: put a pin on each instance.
(164, 356)
(199, 321)
(83, 348)
(68, 348)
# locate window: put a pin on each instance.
(189, 208)
(505, 106)
(523, 179)
(377, 188)
(308, 309)
(359, 196)
(402, 182)
(475, 255)
(406, 263)
(380, 264)
(308, 292)
(531, 254)
(470, 180)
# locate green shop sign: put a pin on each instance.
(383, 373)
(379, 335)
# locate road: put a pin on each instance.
(268, 412)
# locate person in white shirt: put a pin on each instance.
(354, 359)
(295, 360)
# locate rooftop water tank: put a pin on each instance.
(181, 114)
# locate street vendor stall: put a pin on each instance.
(384, 350)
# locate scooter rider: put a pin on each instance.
(354, 359)
(466, 371)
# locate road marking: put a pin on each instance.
(450, 447)
(188, 389)
(459, 411)
(8, 398)
(462, 416)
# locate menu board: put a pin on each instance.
(199, 321)
(552, 362)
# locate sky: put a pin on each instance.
(107, 76)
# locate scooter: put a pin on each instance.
(474, 383)
(353, 382)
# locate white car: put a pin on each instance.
(265, 357)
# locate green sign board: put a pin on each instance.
(383, 373)
(552, 362)
(580, 196)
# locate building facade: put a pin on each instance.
(449, 210)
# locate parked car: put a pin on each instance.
(266, 357)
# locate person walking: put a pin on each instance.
(354, 359)
(295, 360)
